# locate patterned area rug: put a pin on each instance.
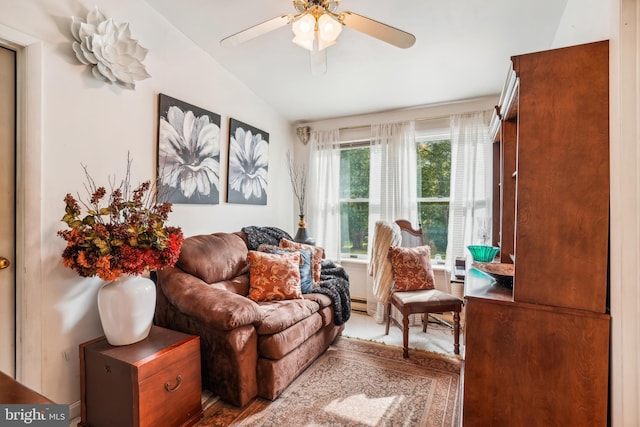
(356, 383)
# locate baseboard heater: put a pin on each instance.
(359, 305)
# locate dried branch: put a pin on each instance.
(298, 175)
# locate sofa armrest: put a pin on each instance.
(218, 308)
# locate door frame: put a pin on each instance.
(29, 74)
(624, 389)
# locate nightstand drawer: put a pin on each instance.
(153, 383)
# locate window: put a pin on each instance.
(434, 180)
(434, 186)
(354, 199)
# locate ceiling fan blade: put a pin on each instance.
(378, 30)
(318, 62)
(256, 30)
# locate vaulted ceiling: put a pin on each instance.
(462, 51)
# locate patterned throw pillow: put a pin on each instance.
(412, 268)
(306, 279)
(274, 276)
(318, 255)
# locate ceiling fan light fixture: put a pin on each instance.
(328, 29)
(305, 26)
(303, 43)
(317, 26)
(323, 45)
(304, 31)
(316, 34)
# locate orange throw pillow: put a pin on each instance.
(412, 268)
(317, 256)
(274, 276)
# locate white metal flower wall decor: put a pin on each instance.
(107, 47)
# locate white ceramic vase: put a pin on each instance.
(126, 308)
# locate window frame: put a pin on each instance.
(428, 135)
(353, 145)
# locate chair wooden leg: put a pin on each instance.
(425, 320)
(405, 334)
(386, 332)
(456, 332)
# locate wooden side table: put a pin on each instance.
(155, 382)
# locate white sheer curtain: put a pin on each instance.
(393, 192)
(324, 191)
(471, 181)
(392, 185)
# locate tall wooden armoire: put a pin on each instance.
(538, 355)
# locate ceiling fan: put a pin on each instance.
(316, 26)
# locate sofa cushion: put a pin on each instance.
(321, 299)
(201, 256)
(279, 315)
(327, 315)
(274, 276)
(238, 285)
(326, 306)
(278, 345)
(318, 255)
(306, 276)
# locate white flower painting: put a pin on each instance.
(188, 153)
(248, 164)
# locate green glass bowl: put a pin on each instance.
(481, 253)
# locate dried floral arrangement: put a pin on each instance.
(120, 232)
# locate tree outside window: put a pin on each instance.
(434, 187)
(354, 200)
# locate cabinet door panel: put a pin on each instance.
(562, 209)
(529, 366)
(508, 208)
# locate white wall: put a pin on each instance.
(583, 21)
(84, 121)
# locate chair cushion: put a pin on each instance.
(274, 276)
(412, 268)
(425, 298)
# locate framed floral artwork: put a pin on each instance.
(248, 164)
(188, 152)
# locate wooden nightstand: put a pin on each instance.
(155, 382)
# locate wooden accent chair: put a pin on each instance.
(421, 301)
(411, 237)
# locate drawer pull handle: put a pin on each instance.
(167, 385)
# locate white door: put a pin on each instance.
(7, 210)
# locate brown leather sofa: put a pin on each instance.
(248, 349)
